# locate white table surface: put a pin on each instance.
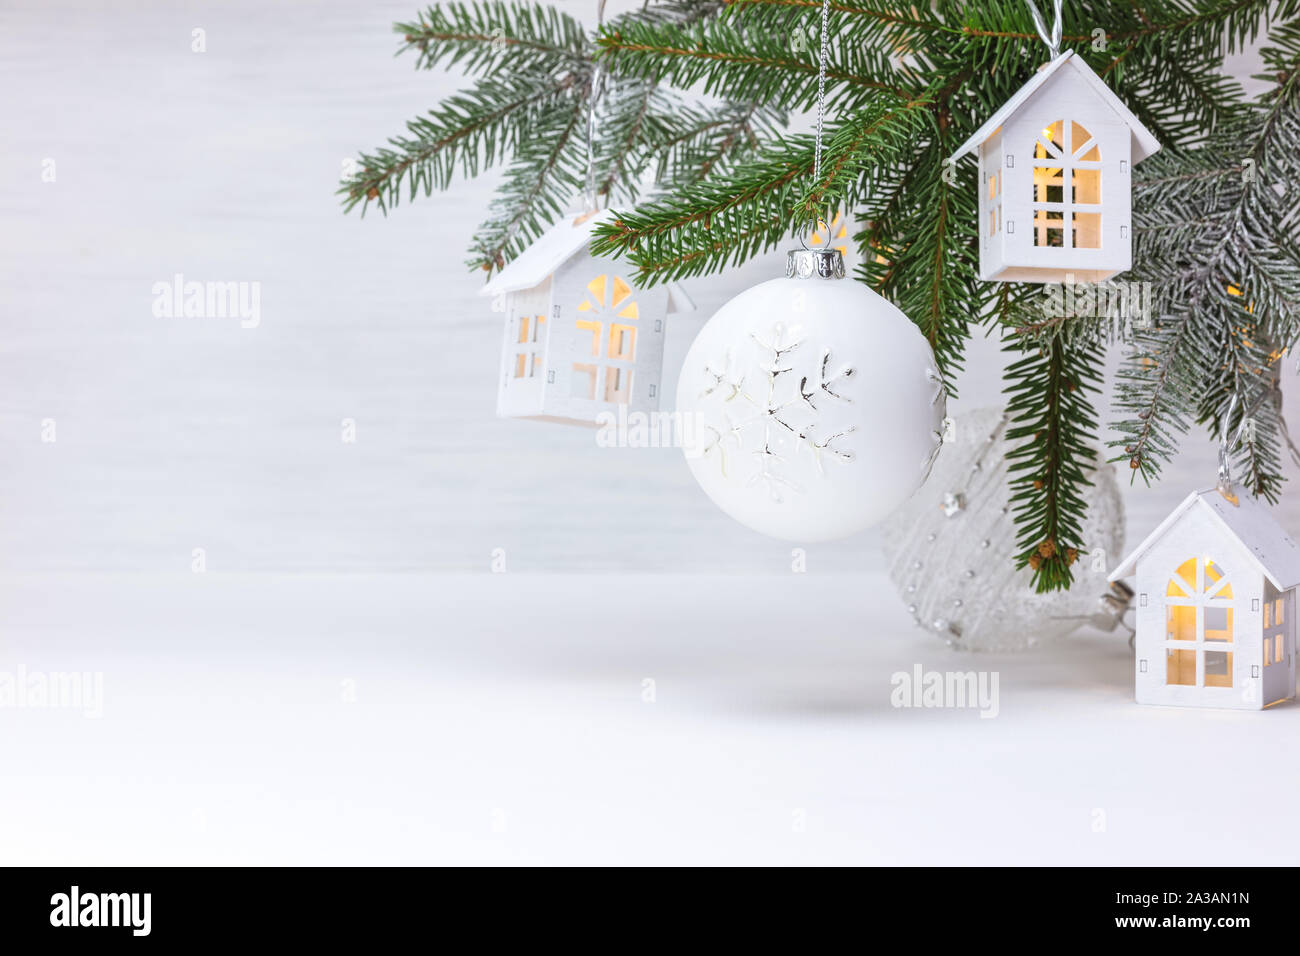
(497, 717)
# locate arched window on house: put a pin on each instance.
(609, 313)
(1198, 625)
(1067, 187)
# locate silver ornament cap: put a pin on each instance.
(1113, 605)
(814, 263)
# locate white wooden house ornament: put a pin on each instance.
(1056, 179)
(1216, 606)
(580, 337)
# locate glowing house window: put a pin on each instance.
(1274, 631)
(1199, 625)
(1067, 188)
(608, 314)
(994, 203)
(529, 345)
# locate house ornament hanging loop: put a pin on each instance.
(1052, 39)
(592, 205)
(1228, 442)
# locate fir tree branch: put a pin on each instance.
(701, 142)
(1217, 207)
(624, 128)
(705, 225)
(469, 132)
(1052, 421)
(1228, 295)
(1159, 370)
(746, 63)
(931, 274)
(492, 36)
(877, 18)
(547, 171)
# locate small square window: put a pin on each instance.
(595, 328)
(618, 385)
(1180, 622)
(1142, 666)
(1049, 185)
(1218, 668)
(1087, 230)
(583, 381)
(1142, 599)
(1180, 667)
(1049, 228)
(1218, 623)
(1086, 186)
(1254, 670)
(1254, 604)
(622, 342)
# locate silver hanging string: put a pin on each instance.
(1228, 442)
(597, 84)
(1052, 38)
(823, 59)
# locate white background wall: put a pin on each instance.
(179, 433)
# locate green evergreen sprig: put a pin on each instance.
(705, 183)
(536, 75)
(1052, 422)
(701, 227)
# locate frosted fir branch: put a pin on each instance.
(731, 184)
(536, 189)
(1210, 224)
(742, 61)
(467, 133)
(703, 142)
(494, 37)
(704, 226)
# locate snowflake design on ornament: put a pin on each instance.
(765, 404)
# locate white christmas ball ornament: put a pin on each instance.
(812, 407)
